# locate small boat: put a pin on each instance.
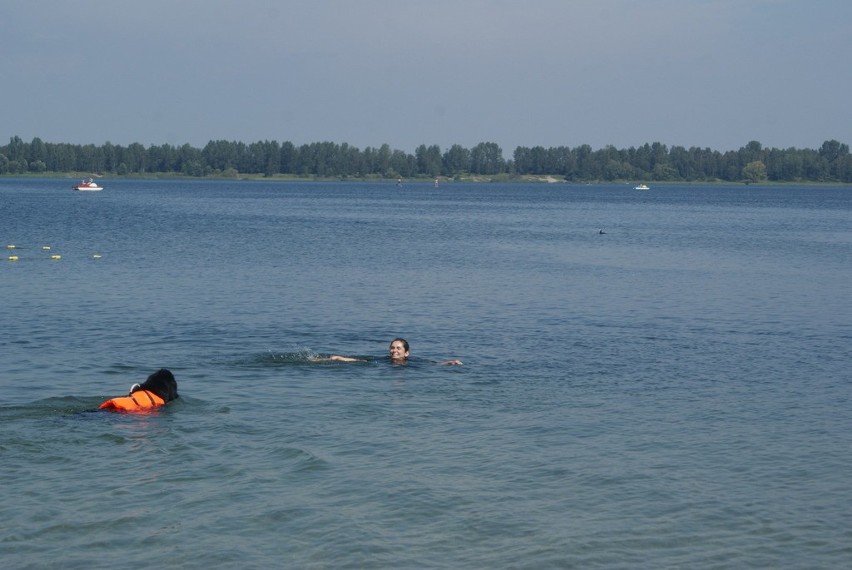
(642, 187)
(88, 185)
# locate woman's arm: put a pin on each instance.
(337, 358)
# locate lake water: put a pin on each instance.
(671, 393)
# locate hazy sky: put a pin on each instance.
(706, 73)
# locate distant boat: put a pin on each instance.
(642, 187)
(88, 185)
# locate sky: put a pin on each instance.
(695, 73)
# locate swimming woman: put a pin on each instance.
(398, 353)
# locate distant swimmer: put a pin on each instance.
(601, 231)
(158, 390)
(398, 353)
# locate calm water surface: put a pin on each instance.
(672, 393)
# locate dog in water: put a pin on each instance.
(162, 383)
(159, 389)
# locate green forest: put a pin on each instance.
(650, 162)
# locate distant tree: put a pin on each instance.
(428, 160)
(18, 166)
(17, 149)
(193, 168)
(188, 155)
(109, 154)
(383, 161)
(587, 167)
(487, 158)
(829, 150)
(791, 166)
(90, 158)
(522, 159)
(37, 151)
(288, 158)
(641, 158)
(354, 161)
(751, 152)
(814, 166)
(664, 172)
(456, 160)
(163, 158)
(403, 164)
(754, 171)
(844, 168)
(612, 170)
(221, 155)
(538, 161)
(729, 166)
(835, 154)
(563, 160)
(680, 161)
(134, 157)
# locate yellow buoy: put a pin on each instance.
(96, 256)
(10, 246)
(55, 257)
(45, 247)
(13, 258)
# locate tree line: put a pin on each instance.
(832, 162)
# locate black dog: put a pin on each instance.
(162, 383)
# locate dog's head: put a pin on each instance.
(162, 383)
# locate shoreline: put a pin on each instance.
(442, 180)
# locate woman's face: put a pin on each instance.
(397, 351)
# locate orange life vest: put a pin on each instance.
(138, 401)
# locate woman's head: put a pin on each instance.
(398, 350)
